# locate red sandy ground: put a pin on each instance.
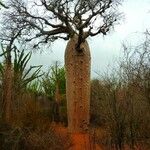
(79, 141)
(84, 141)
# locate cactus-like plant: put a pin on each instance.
(21, 76)
(54, 86)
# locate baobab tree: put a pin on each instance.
(45, 21)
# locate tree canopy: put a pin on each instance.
(48, 20)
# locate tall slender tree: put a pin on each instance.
(8, 77)
(48, 20)
(54, 86)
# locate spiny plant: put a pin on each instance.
(54, 86)
(35, 87)
(21, 76)
(54, 79)
(21, 73)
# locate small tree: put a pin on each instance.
(22, 75)
(75, 20)
(135, 69)
(19, 78)
(54, 87)
(7, 83)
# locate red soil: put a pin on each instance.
(80, 141)
(83, 142)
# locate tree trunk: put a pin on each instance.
(57, 94)
(7, 88)
(7, 93)
(77, 65)
(57, 103)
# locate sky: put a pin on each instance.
(105, 50)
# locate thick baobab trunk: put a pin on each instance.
(77, 64)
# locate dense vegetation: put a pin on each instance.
(120, 100)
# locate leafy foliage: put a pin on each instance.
(22, 76)
(55, 75)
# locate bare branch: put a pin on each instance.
(2, 4)
(53, 18)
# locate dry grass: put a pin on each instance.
(32, 131)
